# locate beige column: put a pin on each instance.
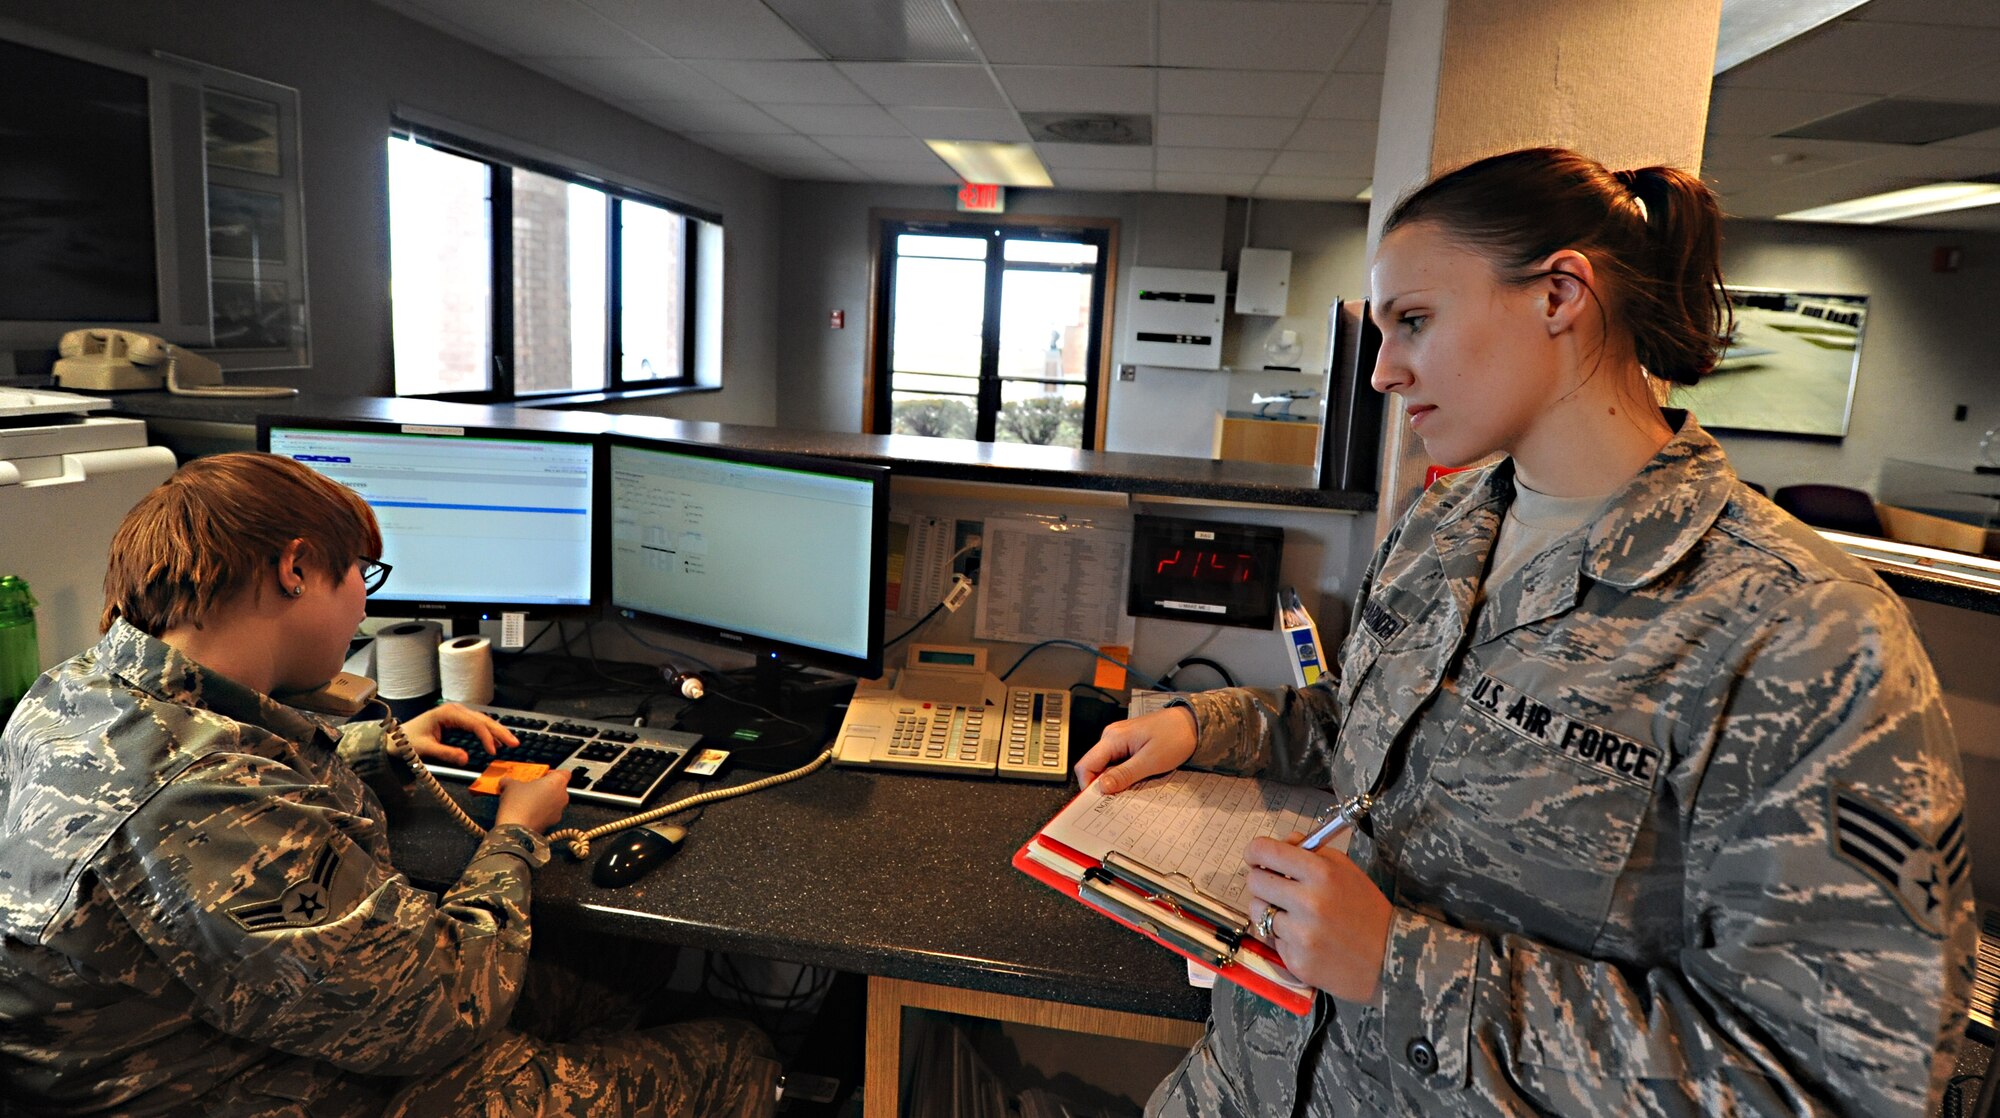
(1623, 81)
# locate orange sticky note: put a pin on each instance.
(488, 782)
(1110, 676)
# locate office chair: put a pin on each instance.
(1757, 486)
(1831, 506)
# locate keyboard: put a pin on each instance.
(1025, 736)
(608, 762)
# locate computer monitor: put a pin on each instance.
(781, 555)
(103, 198)
(476, 521)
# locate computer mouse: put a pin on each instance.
(633, 854)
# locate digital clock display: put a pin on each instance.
(1205, 571)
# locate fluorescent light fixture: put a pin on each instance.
(1937, 197)
(1367, 194)
(1751, 27)
(987, 161)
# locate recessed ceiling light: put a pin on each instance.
(1367, 194)
(986, 161)
(1916, 201)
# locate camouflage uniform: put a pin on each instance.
(199, 915)
(1671, 823)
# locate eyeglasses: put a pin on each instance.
(374, 573)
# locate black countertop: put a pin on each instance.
(892, 874)
(912, 455)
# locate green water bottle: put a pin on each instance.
(20, 662)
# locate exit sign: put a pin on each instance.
(981, 198)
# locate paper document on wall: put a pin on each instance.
(918, 548)
(1043, 579)
(1192, 823)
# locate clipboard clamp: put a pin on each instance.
(1168, 906)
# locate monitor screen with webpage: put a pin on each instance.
(780, 555)
(476, 522)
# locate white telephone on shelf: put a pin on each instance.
(104, 360)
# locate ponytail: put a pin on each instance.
(1653, 235)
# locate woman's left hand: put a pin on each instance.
(425, 730)
(1331, 925)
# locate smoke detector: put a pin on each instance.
(1089, 128)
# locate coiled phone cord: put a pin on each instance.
(578, 841)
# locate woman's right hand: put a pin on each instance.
(1132, 750)
(535, 804)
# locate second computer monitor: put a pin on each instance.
(778, 554)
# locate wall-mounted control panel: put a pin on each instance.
(1175, 318)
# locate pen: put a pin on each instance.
(1334, 822)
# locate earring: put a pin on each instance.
(298, 591)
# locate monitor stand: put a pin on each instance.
(808, 710)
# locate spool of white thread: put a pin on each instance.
(465, 668)
(406, 656)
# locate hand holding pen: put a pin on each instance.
(1328, 921)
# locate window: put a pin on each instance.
(512, 279)
(995, 331)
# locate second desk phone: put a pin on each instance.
(945, 713)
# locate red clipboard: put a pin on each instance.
(1248, 962)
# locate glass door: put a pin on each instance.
(994, 333)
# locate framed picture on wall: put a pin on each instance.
(1790, 368)
(256, 220)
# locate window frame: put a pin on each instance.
(500, 163)
(875, 389)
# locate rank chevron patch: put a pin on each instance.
(302, 905)
(1919, 872)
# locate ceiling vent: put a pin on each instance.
(1089, 128)
(1900, 120)
(879, 30)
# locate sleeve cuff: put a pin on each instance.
(519, 841)
(1429, 975)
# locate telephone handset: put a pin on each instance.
(106, 360)
(347, 695)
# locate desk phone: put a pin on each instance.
(945, 713)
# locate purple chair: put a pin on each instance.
(1831, 506)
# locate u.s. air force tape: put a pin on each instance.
(303, 904)
(1621, 758)
(1918, 871)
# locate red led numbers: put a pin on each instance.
(1203, 565)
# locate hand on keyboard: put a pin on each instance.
(449, 733)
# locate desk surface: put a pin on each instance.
(889, 874)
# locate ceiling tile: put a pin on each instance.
(878, 149)
(1949, 13)
(1062, 32)
(755, 147)
(1104, 89)
(1075, 179)
(1979, 85)
(710, 116)
(813, 170)
(1349, 97)
(948, 85)
(1254, 34)
(793, 83)
(837, 120)
(1224, 131)
(1369, 53)
(1323, 189)
(1232, 161)
(1857, 57)
(962, 124)
(1195, 182)
(1333, 135)
(1235, 92)
(1335, 164)
(1990, 139)
(933, 172)
(702, 28)
(635, 79)
(1762, 112)
(540, 28)
(1096, 157)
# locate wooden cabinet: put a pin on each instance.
(1286, 442)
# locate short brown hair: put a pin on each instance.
(207, 533)
(1653, 235)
